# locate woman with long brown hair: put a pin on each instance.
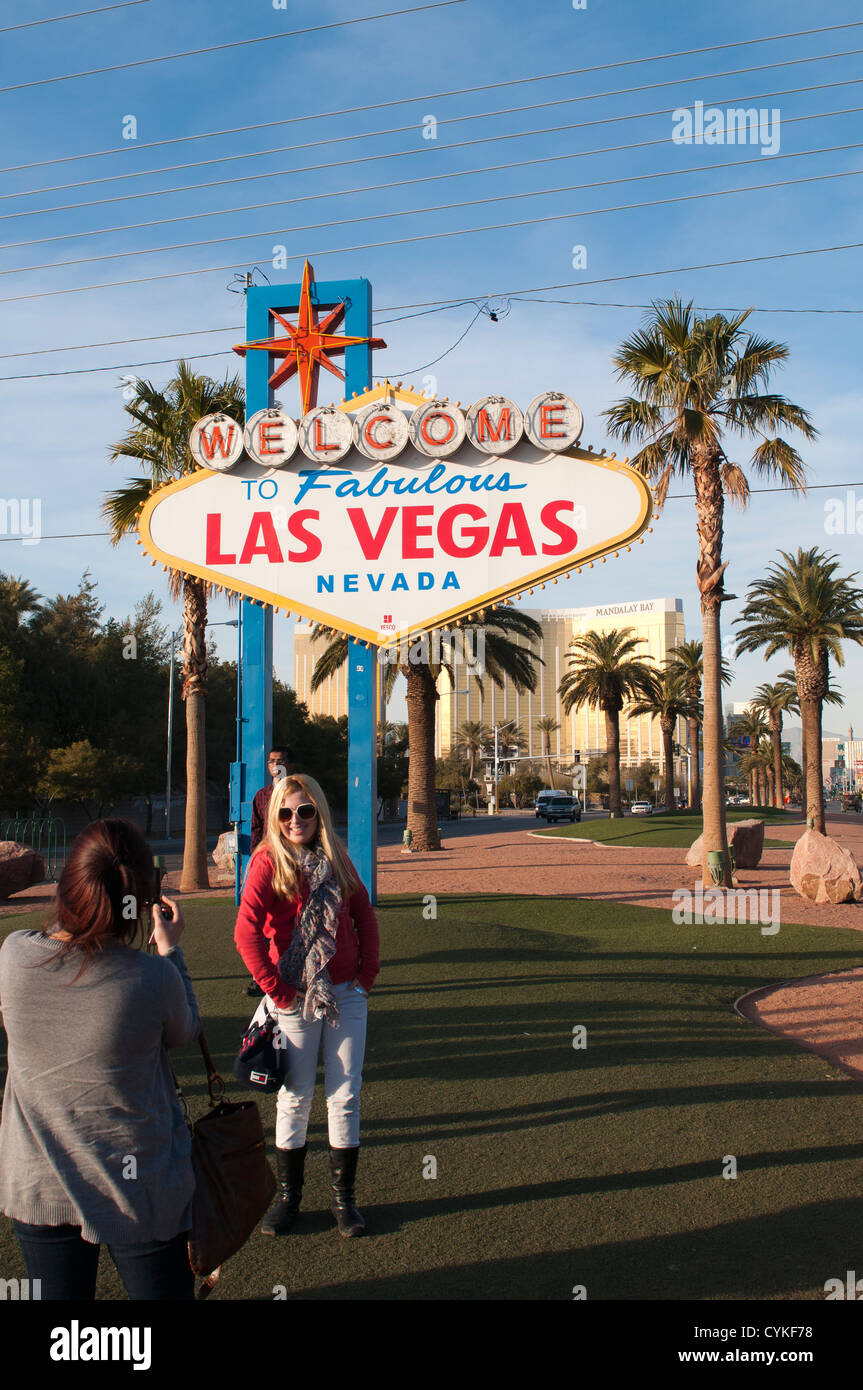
(93, 1145)
(308, 935)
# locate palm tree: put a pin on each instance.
(747, 731)
(667, 699)
(547, 726)
(834, 696)
(687, 661)
(17, 596)
(159, 442)
(605, 674)
(696, 378)
(802, 606)
(758, 761)
(473, 736)
(772, 701)
(504, 657)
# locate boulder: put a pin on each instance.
(745, 837)
(224, 855)
(823, 872)
(20, 867)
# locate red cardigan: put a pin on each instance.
(266, 923)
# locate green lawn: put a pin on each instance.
(559, 1166)
(674, 830)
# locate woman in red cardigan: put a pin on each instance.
(309, 937)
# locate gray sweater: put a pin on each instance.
(92, 1134)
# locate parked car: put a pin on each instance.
(555, 806)
(641, 808)
(852, 801)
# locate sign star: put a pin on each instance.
(307, 344)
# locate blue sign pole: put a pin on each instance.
(256, 649)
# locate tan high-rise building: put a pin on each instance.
(332, 697)
(658, 622)
(581, 735)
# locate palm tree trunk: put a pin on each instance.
(776, 732)
(709, 506)
(668, 769)
(810, 710)
(612, 744)
(695, 776)
(548, 760)
(422, 806)
(803, 762)
(194, 874)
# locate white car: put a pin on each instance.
(641, 808)
(557, 806)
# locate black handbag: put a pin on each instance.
(234, 1183)
(262, 1061)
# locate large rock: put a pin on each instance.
(745, 837)
(20, 867)
(224, 855)
(823, 872)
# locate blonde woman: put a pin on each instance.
(308, 935)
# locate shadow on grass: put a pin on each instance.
(723, 1261)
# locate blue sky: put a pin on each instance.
(55, 431)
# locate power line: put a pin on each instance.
(411, 371)
(711, 308)
(453, 120)
(508, 197)
(120, 342)
(439, 306)
(563, 285)
(633, 275)
(236, 43)
(676, 497)
(78, 14)
(434, 96)
(426, 179)
(513, 295)
(121, 366)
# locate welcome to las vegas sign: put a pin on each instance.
(389, 514)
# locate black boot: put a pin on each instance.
(282, 1216)
(343, 1167)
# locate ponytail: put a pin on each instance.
(105, 888)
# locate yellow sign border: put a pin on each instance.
(576, 561)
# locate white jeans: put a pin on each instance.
(344, 1049)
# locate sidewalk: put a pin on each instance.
(498, 860)
(501, 861)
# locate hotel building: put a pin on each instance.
(657, 622)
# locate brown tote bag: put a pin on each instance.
(234, 1183)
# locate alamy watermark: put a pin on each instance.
(459, 647)
(21, 516)
(719, 905)
(843, 516)
(736, 125)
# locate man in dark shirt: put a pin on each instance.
(280, 763)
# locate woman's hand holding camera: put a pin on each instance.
(168, 925)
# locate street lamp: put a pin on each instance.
(175, 637)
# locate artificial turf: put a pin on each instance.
(559, 1166)
(670, 830)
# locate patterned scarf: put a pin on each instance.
(304, 964)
